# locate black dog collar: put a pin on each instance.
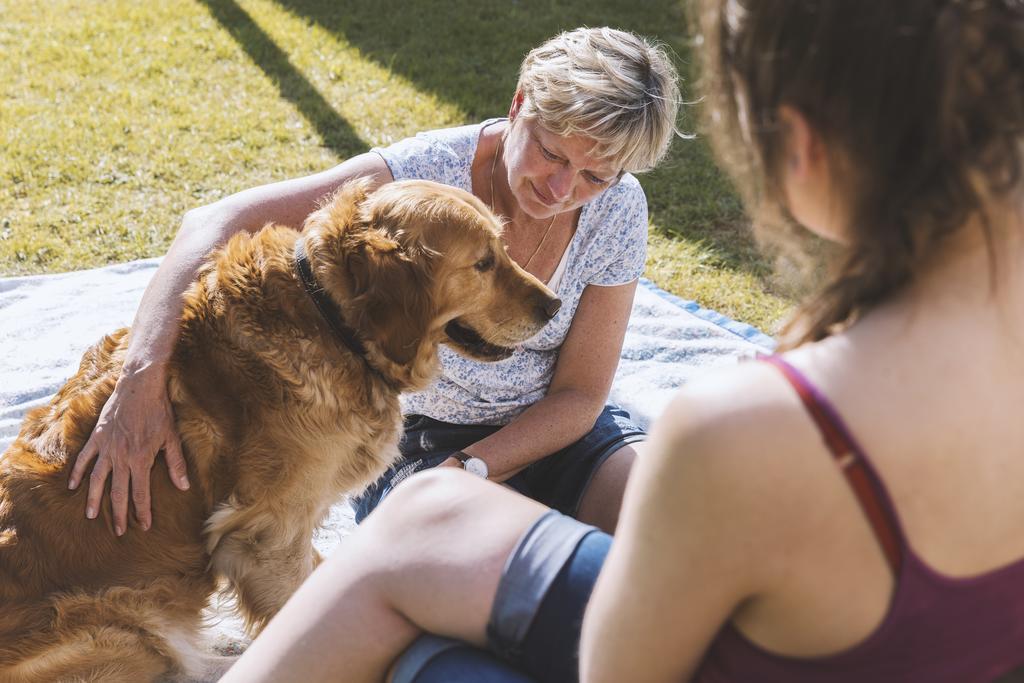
(328, 309)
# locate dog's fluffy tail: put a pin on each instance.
(119, 634)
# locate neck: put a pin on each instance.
(966, 285)
(980, 255)
(966, 302)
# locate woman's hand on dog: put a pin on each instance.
(135, 424)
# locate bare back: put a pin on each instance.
(929, 393)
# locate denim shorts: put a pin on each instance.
(558, 481)
(534, 628)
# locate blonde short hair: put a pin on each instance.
(612, 86)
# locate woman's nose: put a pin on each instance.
(560, 184)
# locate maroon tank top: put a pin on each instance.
(937, 628)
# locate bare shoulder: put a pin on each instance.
(739, 441)
(735, 414)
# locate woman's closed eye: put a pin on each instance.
(590, 177)
(548, 154)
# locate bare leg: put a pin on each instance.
(603, 498)
(428, 559)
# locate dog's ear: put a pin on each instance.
(378, 272)
(371, 258)
(390, 287)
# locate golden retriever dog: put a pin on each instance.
(292, 352)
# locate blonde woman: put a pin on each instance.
(592, 106)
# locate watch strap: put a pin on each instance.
(480, 467)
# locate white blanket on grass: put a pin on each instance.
(47, 322)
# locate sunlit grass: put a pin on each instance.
(117, 116)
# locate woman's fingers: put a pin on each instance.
(119, 497)
(175, 460)
(85, 456)
(124, 443)
(97, 482)
(139, 471)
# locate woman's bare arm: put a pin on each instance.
(578, 390)
(699, 535)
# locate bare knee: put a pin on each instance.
(439, 516)
(427, 500)
(423, 513)
(434, 549)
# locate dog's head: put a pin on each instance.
(416, 263)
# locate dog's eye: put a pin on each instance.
(484, 264)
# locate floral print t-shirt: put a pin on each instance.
(608, 248)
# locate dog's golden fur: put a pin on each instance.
(277, 418)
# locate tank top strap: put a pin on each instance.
(866, 485)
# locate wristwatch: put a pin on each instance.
(471, 464)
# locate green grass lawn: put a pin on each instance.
(117, 116)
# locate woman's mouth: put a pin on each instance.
(545, 200)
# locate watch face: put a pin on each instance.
(476, 466)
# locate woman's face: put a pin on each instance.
(549, 174)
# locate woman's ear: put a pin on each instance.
(517, 103)
(802, 147)
(806, 176)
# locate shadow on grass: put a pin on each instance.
(468, 53)
(335, 132)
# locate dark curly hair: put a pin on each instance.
(921, 103)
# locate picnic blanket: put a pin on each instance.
(48, 321)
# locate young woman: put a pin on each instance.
(592, 106)
(850, 510)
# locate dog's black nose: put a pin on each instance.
(551, 308)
